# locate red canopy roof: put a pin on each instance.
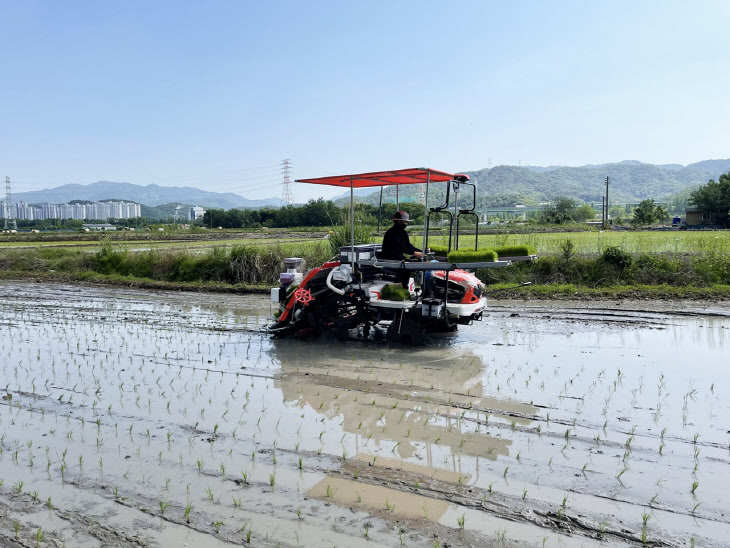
(383, 178)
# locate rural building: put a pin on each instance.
(695, 216)
(98, 227)
(195, 213)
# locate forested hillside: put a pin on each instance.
(630, 182)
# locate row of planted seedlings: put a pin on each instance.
(127, 406)
(171, 380)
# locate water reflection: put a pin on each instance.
(414, 400)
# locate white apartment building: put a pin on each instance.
(97, 210)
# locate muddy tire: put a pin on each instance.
(406, 332)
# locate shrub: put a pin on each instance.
(567, 248)
(652, 270)
(617, 257)
(713, 268)
(342, 236)
(111, 261)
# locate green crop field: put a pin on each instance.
(136, 245)
(545, 243)
(595, 242)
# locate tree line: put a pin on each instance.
(319, 213)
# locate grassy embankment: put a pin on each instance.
(590, 265)
(240, 267)
(656, 264)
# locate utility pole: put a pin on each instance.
(9, 215)
(286, 194)
(605, 222)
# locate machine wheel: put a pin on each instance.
(407, 332)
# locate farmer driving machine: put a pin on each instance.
(359, 290)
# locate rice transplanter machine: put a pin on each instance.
(352, 291)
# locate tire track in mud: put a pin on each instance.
(204, 522)
(551, 519)
(493, 503)
(501, 506)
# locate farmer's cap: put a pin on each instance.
(401, 216)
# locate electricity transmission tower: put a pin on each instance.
(422, 195)
(9, 215)
(286, 194)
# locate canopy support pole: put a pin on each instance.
(352, 227)
(397, 197)
(425, 215)
(425, 232)
(380, 207)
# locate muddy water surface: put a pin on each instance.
(170, 419)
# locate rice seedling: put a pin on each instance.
(645, 517)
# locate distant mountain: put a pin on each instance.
(151, 195)
(630, 181)
(357, 192)
(717, 167)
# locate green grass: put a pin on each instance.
(596, 242)
(588, 242)
(662, 291)
(703, 270)
(237, 265)
(161, 244)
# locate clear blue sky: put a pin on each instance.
(215, 94)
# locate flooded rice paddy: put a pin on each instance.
(133, 418)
